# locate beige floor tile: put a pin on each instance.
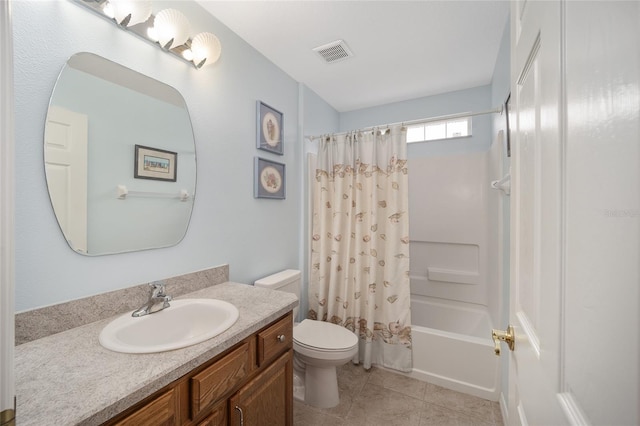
(304, 415)
(351, 380)
(433, 415)
(465, 420)
(398, 382)
(379, 406)
(497, 414)
(468, 405)
(380, 397)
(352, 377)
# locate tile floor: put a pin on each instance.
(383, 398)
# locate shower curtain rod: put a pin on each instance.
(496, 110)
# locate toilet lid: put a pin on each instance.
(323, 335)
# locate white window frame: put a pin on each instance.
(423, 126)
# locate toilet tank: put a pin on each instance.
(288, 281)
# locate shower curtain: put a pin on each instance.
(360, 243)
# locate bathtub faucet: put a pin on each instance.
(158, 300)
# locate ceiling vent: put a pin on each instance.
(334, 52)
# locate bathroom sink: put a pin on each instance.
(185, 323)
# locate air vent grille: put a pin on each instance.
(334, 52)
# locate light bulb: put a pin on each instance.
(206, 49)
(130, 12)
(187, 54)
(172, 28)
(152, 33)
(107, 9)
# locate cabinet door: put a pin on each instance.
(267, 399)
(218, 416)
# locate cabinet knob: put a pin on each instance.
(281, 338)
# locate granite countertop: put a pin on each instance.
(69, 378)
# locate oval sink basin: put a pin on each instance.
(185, 323)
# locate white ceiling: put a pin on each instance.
(402, 49)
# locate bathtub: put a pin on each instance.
(452, 346)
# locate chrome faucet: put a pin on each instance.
(158, 300)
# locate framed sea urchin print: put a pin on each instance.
(269, 179)
(270, 129)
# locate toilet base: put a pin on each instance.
(298, 386)
(321, 386)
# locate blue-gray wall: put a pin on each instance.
(469, 100)
(255, 236)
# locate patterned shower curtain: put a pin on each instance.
(360, 243)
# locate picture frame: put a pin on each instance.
(155, 164)
(269, 179)
(270, 129)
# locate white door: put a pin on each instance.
(575, 233)
(535, 311)
(65, 154)
(7, 340)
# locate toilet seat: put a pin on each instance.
(323, 336)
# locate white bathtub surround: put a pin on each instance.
(456, 275)
(453, 348)
(360, 245)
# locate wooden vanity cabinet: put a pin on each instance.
(250, 384)
(264, 400)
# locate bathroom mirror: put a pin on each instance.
(120, 158)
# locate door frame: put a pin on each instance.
(7, 200)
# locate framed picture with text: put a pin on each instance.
(270, 129)
(269, 179)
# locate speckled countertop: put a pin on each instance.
(69, 378)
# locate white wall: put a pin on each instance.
(255, 236)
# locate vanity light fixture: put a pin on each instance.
(205, 49)
(169, 29)
(128, 12)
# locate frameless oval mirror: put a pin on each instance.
(120, 158)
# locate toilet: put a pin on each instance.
(319, 347)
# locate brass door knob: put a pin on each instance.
(506, 336)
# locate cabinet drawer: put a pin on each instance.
(275, 339)
(215, 381)
(160, 411)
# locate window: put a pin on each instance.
(443, 129)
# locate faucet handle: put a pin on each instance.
(157, 289)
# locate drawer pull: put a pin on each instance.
(281, 338)
(241, 415)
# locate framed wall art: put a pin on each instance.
(154, 163)
(269, 179)
(270, 129)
